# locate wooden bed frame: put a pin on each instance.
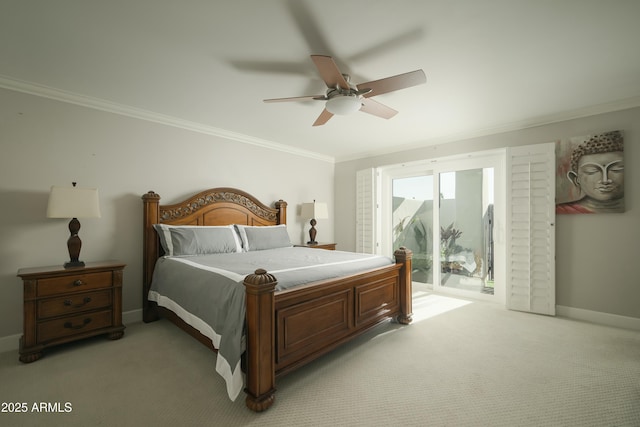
(285, 329)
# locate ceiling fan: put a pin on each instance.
(343, 97)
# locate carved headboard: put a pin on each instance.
(216, 206)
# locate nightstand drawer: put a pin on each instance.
(74, 303)
(77, 282)
(73, 325)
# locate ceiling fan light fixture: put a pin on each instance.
(343, 104)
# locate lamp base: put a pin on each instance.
(74, 244)
(312, 233)
(73, 264)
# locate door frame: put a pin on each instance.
(490, 158)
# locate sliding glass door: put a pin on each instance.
(445, 213)
(412, 222)
(466, 229)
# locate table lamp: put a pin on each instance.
(314, 211)
(73, 202)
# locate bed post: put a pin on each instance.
(403, 256)
(150, 252)
(281, 205)
(261, 341)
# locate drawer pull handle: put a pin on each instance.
(69, 303)
(78, 283)
(85, 322)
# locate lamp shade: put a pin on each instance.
(315, 210)
(73, 202)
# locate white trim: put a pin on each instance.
(10, 343)
(133, 316)
(111, 107)
(609, 107)
(598, 317)
(138, 113)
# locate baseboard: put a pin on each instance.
(599, 318)
(133, 316)
(12, 342)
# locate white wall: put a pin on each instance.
(46, 142)
(596, 255)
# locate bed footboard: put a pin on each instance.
(287, 329)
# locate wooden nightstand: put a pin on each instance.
(68, 304)
(319, 245)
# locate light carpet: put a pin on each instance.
(460, 363)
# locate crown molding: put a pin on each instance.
(150, 116)
(609, 107)
(138, 113)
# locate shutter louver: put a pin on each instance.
(365, 211)
(531, 231)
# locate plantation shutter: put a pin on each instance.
(365, 211)
(531, 228)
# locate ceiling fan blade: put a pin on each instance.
(275, 67)
(323, 118)
(377, 109)
(390, 84)
(387, 46)
(309, 26)
(329, 71)
(298, 98)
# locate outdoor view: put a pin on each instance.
(465, 235)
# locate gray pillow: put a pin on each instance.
(165, 238)
(197, 240)
(257, 238)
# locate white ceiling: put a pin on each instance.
(491, 65)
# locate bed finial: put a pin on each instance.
(151, 195)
